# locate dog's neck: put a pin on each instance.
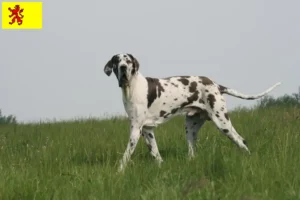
(128, 90)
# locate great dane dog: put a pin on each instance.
(152, 101)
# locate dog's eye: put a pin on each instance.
(128, 61)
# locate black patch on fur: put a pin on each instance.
(150, 135)
(222, 89)
(226, 116)
(222, 109)
(206, 81)
(175, 99)
(133, 71)
(131, 143)
(166, 84)
(201, 101)
(135, 64)
(167, 115)
(206, 91)
(173, 111)
(193, 87)
(211, 100)
(164, 103)
(174, 84)
(153, 85)
(110, 64)
(162, 113)
(191, 99)
(218, 116)
(116, 71)
(245, 142)
(225, 130)
(184, 81)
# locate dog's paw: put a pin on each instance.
(121, 168)
(191, 156)
(159, 162)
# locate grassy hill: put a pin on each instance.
(79, 159)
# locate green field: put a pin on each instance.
(79, 160)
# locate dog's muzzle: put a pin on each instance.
(123, 78)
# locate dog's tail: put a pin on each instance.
(235, 93)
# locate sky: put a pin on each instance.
(57, 72)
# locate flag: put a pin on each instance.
(22, 15)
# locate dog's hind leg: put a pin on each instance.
(148, 134)
(217, 111)
(192, 127)
(223, 123)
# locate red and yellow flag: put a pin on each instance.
(22, 15)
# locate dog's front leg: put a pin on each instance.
(133, 140)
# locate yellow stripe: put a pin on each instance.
(32, 12)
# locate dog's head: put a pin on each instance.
(125, 66)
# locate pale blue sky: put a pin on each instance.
(57, 72)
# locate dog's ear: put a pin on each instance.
(136, 64)
(108, 68)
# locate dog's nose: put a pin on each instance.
(123, 68)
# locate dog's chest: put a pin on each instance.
(133, 104)
(135, 98)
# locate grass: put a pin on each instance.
(79, 160)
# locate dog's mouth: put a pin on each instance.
(123, 81)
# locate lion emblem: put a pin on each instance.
(16, 14)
